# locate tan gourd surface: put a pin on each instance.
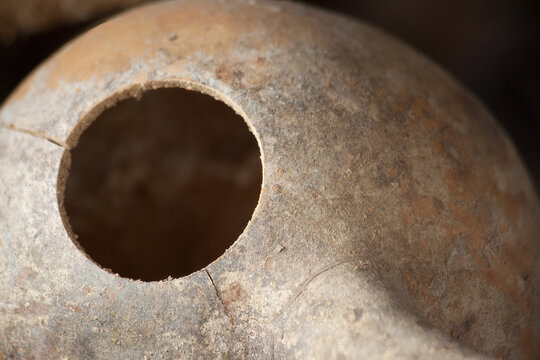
(395, 219)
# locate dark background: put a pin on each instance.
(491, 46)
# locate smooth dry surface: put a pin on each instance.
(395, 219)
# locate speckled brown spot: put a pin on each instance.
(22, 275)
(32, 308)
(353, 315)
(75, 308)
(109, 294)
(233, 294)
(269, 263)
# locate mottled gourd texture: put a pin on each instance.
(395, 219)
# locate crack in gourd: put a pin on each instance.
(35, 133)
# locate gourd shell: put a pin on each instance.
(395, 218)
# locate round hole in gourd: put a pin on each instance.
(163, 185)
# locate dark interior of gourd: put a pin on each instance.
(163, 185)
